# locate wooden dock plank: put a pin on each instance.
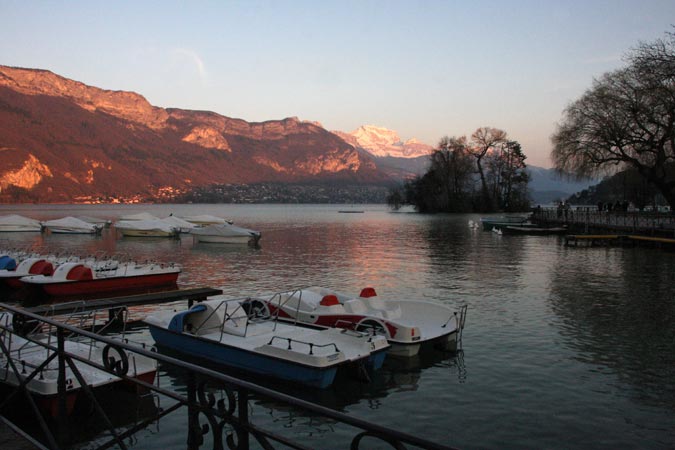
(652, 239)
(129, 300)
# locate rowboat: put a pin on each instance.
(233, 333)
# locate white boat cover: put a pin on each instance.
(71, 223)
(177, 222)
(145, 225)
(16, 221)
(205, 219)
(139, 216)
(95, 220)
(225, 230)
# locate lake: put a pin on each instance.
(564, 347)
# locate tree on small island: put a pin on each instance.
(625, 120)
(484, 174)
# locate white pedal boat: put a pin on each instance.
(407, 324)
(222, 332)
(24, 357)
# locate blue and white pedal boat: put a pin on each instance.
(222, 332)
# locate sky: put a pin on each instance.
(425, 69)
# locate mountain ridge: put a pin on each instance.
(63, 140)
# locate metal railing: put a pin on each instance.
(227, 420)
(587, 219)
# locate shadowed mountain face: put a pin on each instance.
(64, 141)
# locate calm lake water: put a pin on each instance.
(564, 347)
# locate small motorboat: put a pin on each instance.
(238, 334)
(498, 222)
(407, 324)
(139, 216)
(24, 353)
(225, 234)
(146, 228)
(29, 266)
(86, 279)
(535, 230)
(103, 223)
(72, 225)
(206, 219)
(183, 226)
(14, 223)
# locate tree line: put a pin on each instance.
(481, 174)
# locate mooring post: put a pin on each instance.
(62, 420)
(242, 401)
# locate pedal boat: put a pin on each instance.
(407, 324)
(235, 334)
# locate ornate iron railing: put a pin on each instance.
(226, 421)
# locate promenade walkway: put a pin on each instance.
(589, 220)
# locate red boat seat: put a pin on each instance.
(368, 292)
(80, 273)
(329, 300)
(42, 267)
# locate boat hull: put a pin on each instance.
(146, 233)
(224, 239)
(106, 285)
(215, 352)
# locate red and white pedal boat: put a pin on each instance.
(407, 324)
(77, 278)
(21, 356)
(29, 266)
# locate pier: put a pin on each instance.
(589, 220)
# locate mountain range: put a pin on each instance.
(64, 141)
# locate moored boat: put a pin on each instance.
(499, 222)
(146, 228)
(232, 333)
(78, 278)
(16, 223)
(407, 324)
(534, 230)
(183, 226)
(31, 358)
(225, 234)
(29, 266)
(205, 220)
(72, 225)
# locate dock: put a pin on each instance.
(112, 303)
(587, 221)
(595, 240)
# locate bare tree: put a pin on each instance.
(483, 140)
(626, 119)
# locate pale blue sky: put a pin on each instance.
(423, 68)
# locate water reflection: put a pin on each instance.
(620, 320)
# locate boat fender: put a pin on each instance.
(368, 292)
(118, 367)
